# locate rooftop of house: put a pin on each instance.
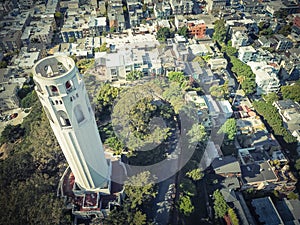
(226, 164)
(256, 173)
(266, 211)
(286, 104)
(289, 210)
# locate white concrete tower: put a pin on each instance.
(62, 93)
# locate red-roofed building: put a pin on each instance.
(297, 21)
(197, 28)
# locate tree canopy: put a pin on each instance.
(220, 205)
(219, 31)
(185, 205)
(106, 98)
(134, 75)
(140, 189)
(164, 33)
(229, 128)
(271, 115)
(291, 91)
(30, 174)
(195, 174)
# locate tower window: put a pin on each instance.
(63, 119)
(78, 113)
(53, 90)
(69, 86)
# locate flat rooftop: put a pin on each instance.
(266, 211)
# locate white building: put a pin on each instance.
(63, 96)
(239, 38)
(265, 77)
(247, 54)
(216, 64)
(118, 65)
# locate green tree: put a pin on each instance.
(293, 196)
(140, 189)
(186, 206)
(134, 75)
(58, 15)
(187, 187)
(183, 31)
(164, 33)
(217, 91)
(220, 31)
(30, 174)
(233, 217)
(197, 133)
(103, 47)
(106, 97)
(285, 30)
(291, 92)
(126, 215)
(271, 115)
(229, 128)
(178, 77)
(271, 97)
(3, 64)
(195, 174)
(297, 164)
(220, 205)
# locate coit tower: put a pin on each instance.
(61, 91)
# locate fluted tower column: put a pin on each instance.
(61, 91)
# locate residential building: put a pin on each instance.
(264, 42)
(217, 63)
(289, 210)
(97, 26)
(197, 28)
(226, 166)
(162, 10)
(239, 36)
(265, 77)
(10, 40)
(282, 43)
(290, 113)
(181, 7)
(118, 64)
(8, 91)
(266, 211)
(116, 18)
(258, 176)
(249, 23)
(215, 5)
(246, 54)
(26, 60)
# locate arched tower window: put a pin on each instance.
(53, 91)
(63, 119)
(48, 114)
(78, 113)
(69, 86)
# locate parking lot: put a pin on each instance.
(7, 118)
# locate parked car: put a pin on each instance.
(14, 115)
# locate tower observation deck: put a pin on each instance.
(62, 93)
